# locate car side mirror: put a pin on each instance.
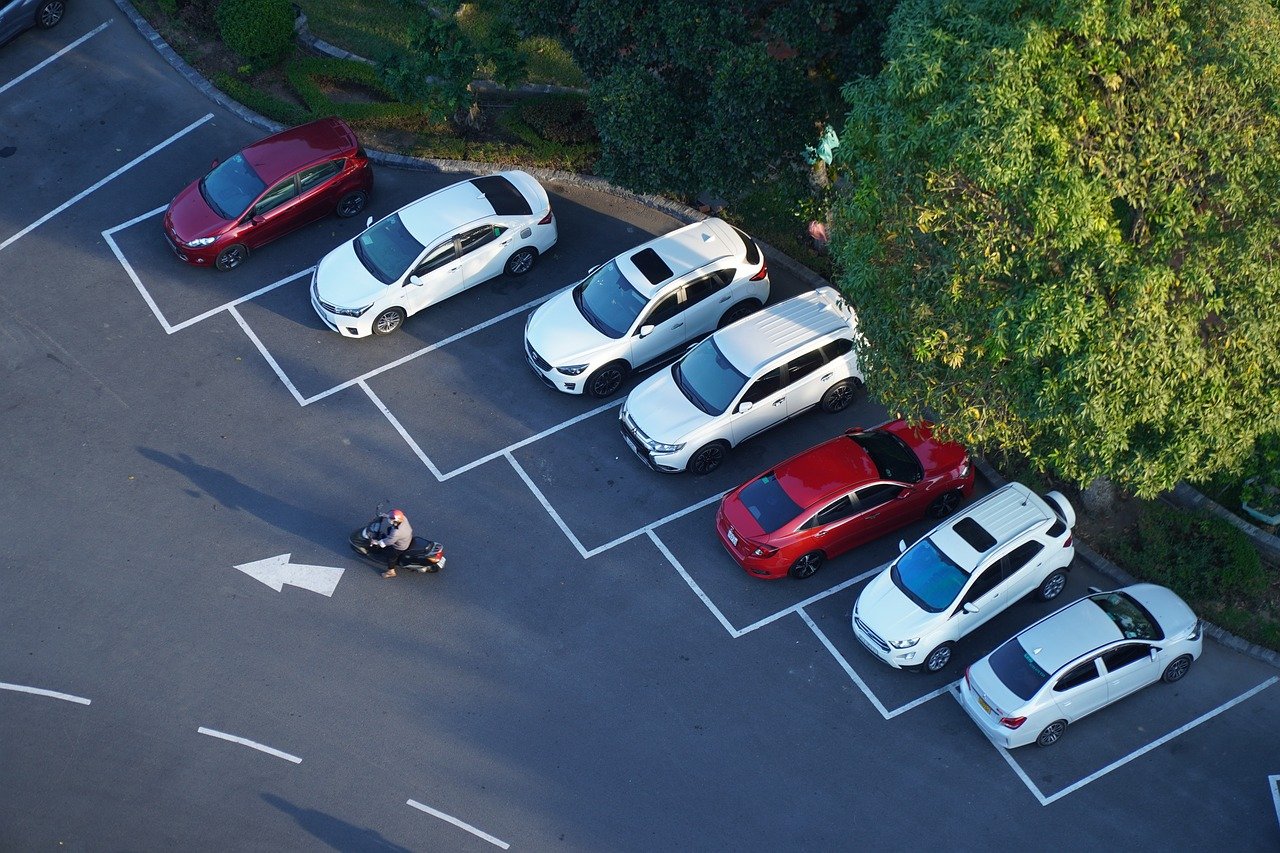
(414, 279)
(257, 220)
(368, 222)
(214, 164)
(593, 269)
(902, 546)
(1155, 653)
(746, 406)
(970, 607)
(645, 330)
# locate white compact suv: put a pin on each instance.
(749, 376)
(962, 573)
(644, 306)
(431, 249)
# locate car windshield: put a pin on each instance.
(609, 301)
(892, 458)
(387, 249)
(928, 577)
(1133, 620)
(707, 378)
(1017, 670)
(231, 187)
(768, 504)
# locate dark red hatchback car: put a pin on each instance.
(840, 494)
(275, 185)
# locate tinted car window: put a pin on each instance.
(664, 310)
(1133, 620)
(477, 237)
(707, 379)
(928, 577)
(873, 496)
(231, 187)
(387, 248)
(276, 196)
(836, 348)
(891, 456)
(1125, 655)
(800, 367)
(1019, 557)
(1082, 674)
(764, 386)
(1017, 670)
(984, 583)
(439, 256)
(842, 508)
(768, 504)
(317, 175)
(699, 289)
(609, 301)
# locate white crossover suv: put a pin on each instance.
(1089, 654)
(969, 568)
(430, 250)
(747, 377)
(644, 306)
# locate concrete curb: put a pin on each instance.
(1123, 578)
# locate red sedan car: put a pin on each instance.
(840, 494)
(275, 185)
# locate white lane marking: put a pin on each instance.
(267, 355)
(277, 571)
(697, 590)
(680, 513)
(84, 38)
(133, 275)
(844, 664)
(249, 743)
(126, 167)
(1274, 782)
(542, 499)
(413, 445)
(52, 694)
(497, 842)
(246, 298)
(1004, 753)
(795, 608)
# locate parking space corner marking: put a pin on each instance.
(413, 445)
(240, 300)
(1274, 782)
(954, 690)
(844, 664)
(697, 590)
(84, 38)
(137, 282)
(266, 355)
(542, 499)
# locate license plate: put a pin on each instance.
(984, 704)
(733, 537)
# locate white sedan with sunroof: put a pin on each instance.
(1089, 654)
(430, 250)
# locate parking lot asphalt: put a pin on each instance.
(590, 671)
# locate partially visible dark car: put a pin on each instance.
(270, 188)
(19, 15)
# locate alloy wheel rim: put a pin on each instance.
(51, 14)
(388, 322)
(521, 262)
(1054, 586)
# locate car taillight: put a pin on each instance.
(759, 549)
(546, 220)
(1012, 722)
(1067, 544)
(764, 271)
(967, 679)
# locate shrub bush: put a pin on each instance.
(1199, 556)
(261, 31)
(565, 119)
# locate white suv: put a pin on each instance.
(749, 376)
(962, 573)
(644, 306)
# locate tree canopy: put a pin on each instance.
(1061, 228)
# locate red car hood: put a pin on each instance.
(190, 217)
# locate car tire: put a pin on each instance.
(1052, 733)
(231, 257)
(939, 658)
(521, 261)
(1052, 586)
(807, 565)
(50, 13)
(351, 204)
(946, 503)
(707, 458)
(606, 381)
(839, 396)
(745, 308)
(1176, 669)
(388, 321)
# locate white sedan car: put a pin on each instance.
(431, 249)
(1078, 660)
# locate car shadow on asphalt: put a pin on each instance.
(333, 831)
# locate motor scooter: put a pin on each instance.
(423, 555)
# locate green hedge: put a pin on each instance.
(261, 31)
(305, 74)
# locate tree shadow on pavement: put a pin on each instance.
(333, 831)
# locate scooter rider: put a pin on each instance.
(397, 538)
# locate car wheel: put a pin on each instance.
(939, 658)
(839, 396)
(745, 308)
(607, 380)
(388, 321)
(945, 504)
(351, 204)
(1052, 586)
(231, 257)
(1052, 733)
(707, 459)
(50, 13)
(1176, 669)
(521, 262)
(807, 566)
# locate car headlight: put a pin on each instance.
(904, 644)
(198, 243)
(573, 369)
(351, 312)
(659, 447)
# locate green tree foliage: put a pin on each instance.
(437, 70)
(1062, 229)
(261, 31)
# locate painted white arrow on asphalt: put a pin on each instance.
(275, 572)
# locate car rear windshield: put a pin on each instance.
(1017, 670)
(609, 301)
(768, 504)
(892, 458)
(506, 199)
(387, 249)
(707, 379)
(231, 187)
(1133, 620)
(928, 577)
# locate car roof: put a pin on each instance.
(1001, 516)
(651, 265)
(830, 468)
(1076, 629)
(776, 330)
(444, 211)
(279, 156)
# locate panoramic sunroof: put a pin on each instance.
(653, 268)
(975, 534)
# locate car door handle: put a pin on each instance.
(726, 297)
(827, 376)
(678, 325)
(873, 515)
(780, 402)
(819, 533)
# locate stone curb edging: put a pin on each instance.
(680, 212)
(1188, 497)
(1120, 576)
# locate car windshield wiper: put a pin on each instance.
(685, 388)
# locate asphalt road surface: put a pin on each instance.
(589, 672)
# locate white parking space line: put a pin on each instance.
(546, 504)
(1004, 753)
(1274, 782)
(266, 354)
(117, 173)
(497, 842)
(249, 743)
(697, 590)
(37, 691)
(84, 38)
(413, 445)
